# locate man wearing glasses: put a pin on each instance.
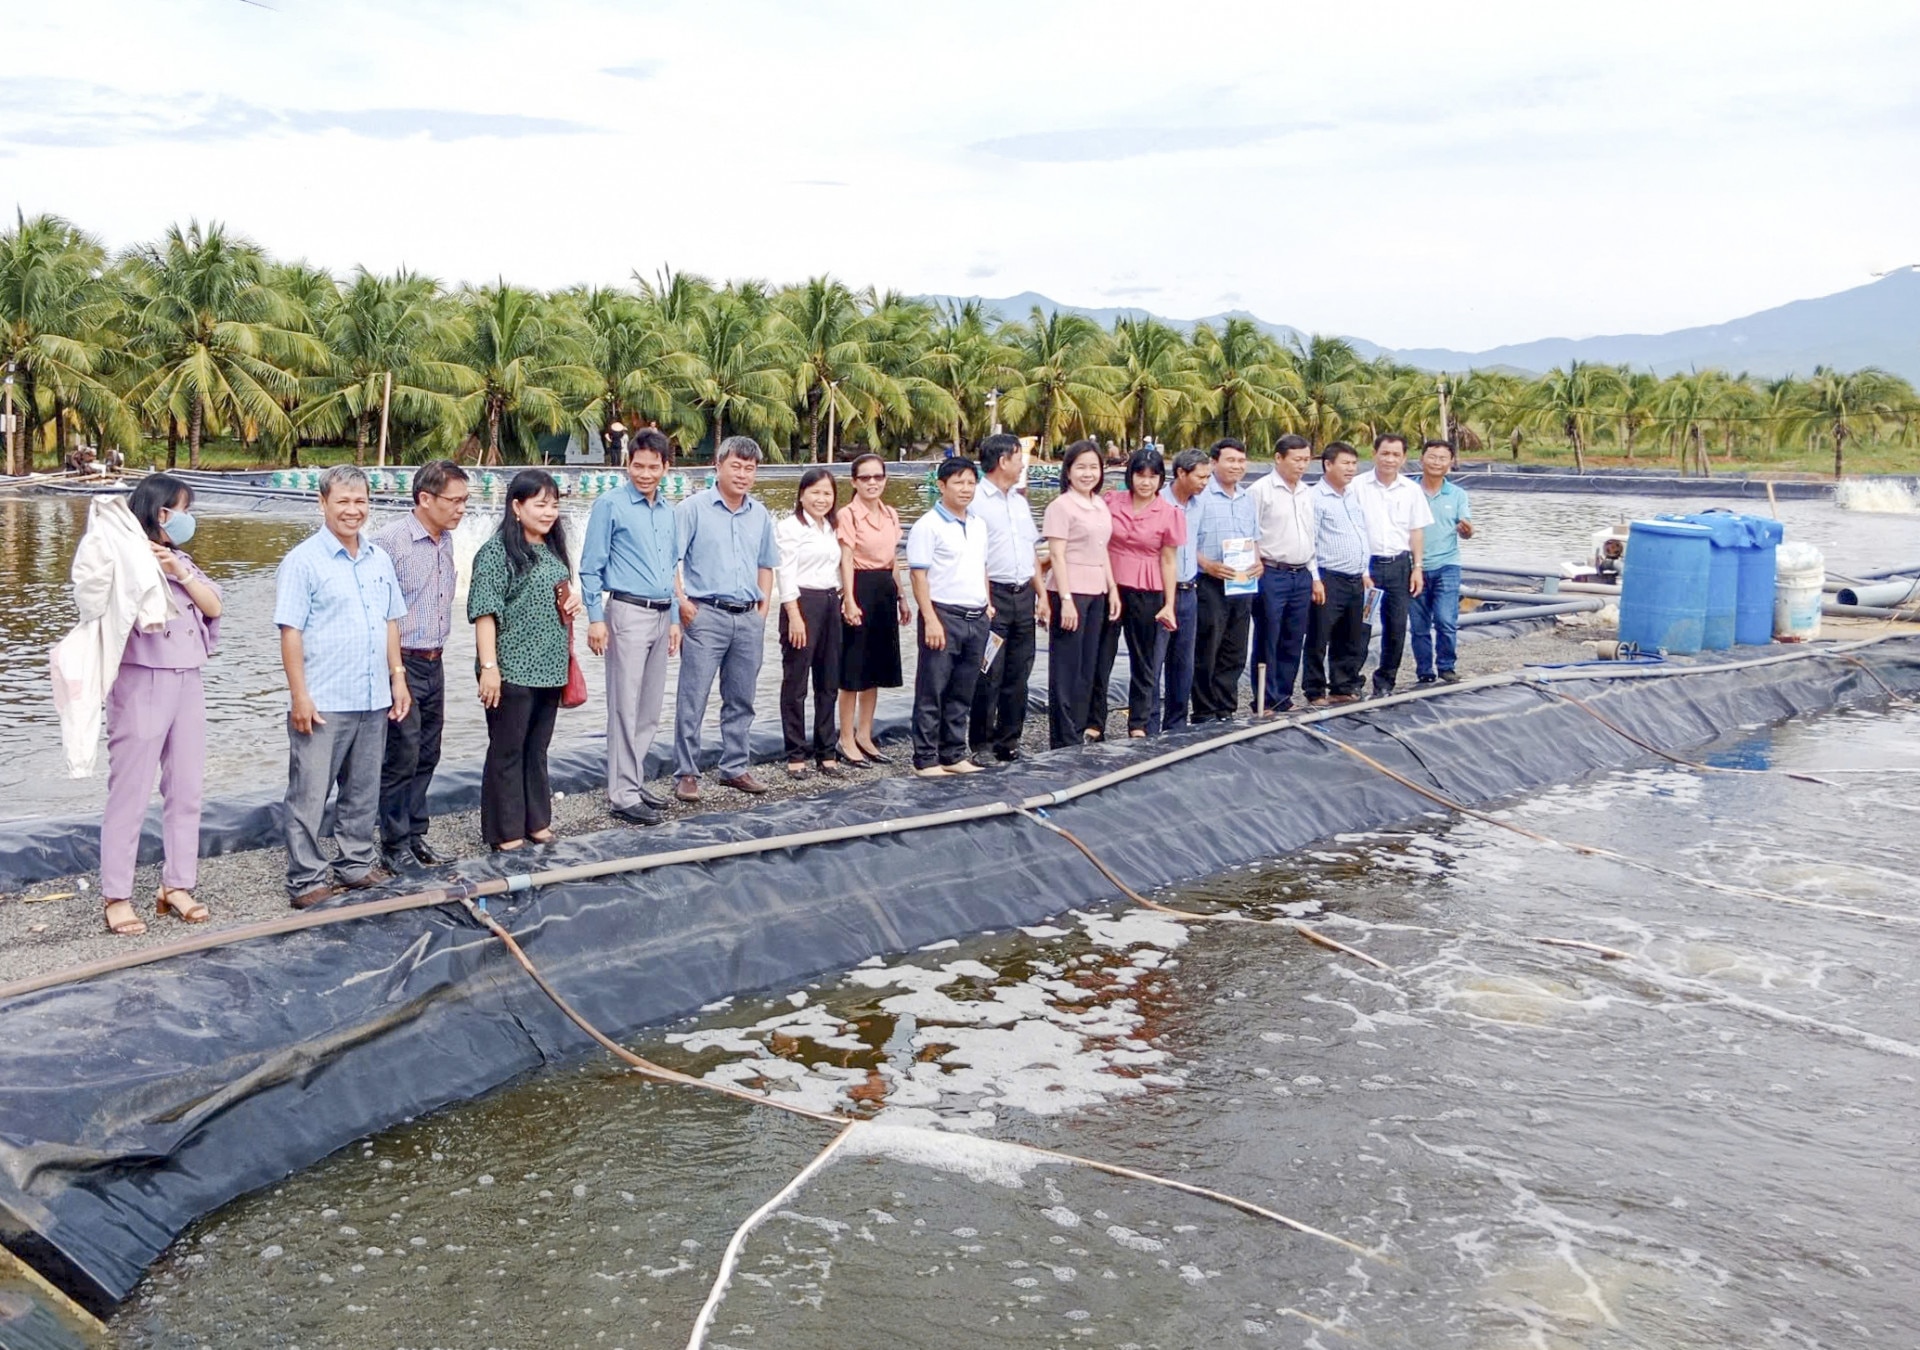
(421, 546)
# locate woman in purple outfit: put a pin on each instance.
(156, 720)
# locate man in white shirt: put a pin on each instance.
(947, 555)
(1397, 517)
(1284, 607)
(1020, 605)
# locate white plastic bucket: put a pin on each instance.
(1799, 574)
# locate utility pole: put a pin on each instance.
(833, 407)
(386, 401)
(1446, 411)
(993, 412)
(8, 423)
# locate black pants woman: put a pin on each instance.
(816, 658)
(1139, 624)
(1072, 655)
(516, 800)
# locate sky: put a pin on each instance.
(1456, 175)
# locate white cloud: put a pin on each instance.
(1419, 175)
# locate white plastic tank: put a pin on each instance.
(1800, 571)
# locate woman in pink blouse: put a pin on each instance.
(1147, 531)
(157, 721)
(1077, 526)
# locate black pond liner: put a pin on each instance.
(135, 1103)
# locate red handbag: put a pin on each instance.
(575, 694)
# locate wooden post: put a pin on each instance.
(67, 1315)
(386, 400)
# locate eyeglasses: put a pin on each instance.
(869, 478)
(460, 501)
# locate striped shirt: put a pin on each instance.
(1340, 531)
(340, 603)
(424, 566)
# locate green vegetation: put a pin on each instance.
(201, 340)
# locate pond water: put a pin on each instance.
(1707, 1144)
(246, 697)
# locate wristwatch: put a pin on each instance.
(489, 665)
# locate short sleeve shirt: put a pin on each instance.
(874, 539)
(530, 642)
(1083, 523)
(953, 553)
(1441, 544)
(1137, 540)
(341, 603)
(721, 549)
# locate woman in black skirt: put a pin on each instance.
(872, 607)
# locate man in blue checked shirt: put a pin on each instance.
(337, 603)
(1337, 631)
(626, 570)
(727, 555)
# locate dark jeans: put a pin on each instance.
(1393, 577)
(943, 684)
(1071, 658)
(1281, 618)
(515, 798)
(1435, 615)
(1146, 648)
(818, 656)
(1337, 637)
(1220, 650)
(1000, 695)
(1176, 670)
(413, 752)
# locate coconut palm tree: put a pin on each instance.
(742, 366)
(1571, 401)
(903, 333)
(1686, 405)
(836, 376)
(965, 360)
(529, 367)
(1331, 376)
(1061, 374)
(1160, 383)
(1843, 406)
(389, 343)
(643, 371)
(220, 346)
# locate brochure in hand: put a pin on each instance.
(1241, 555)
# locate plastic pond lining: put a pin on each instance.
(133, 1103)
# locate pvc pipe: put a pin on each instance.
(1585, 605)
(1532, 597)
(1911, 569)
(1841, 611)
(1886, 594)
(1555, 582)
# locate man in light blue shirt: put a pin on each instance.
(1337, 634)
(1225, 594)
(727, 554)
(337, 602)
(1435, 611)
(626, 570)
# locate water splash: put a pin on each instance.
(1893, 496)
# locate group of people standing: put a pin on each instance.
(1202, 578)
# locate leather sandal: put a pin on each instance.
(131, 926)
(187, 909)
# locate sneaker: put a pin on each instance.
(1424, 681)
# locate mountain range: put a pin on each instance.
(1877, 324)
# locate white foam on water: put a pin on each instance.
(1887, 496)
(984, 1160)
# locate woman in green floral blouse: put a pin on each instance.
(522, 651)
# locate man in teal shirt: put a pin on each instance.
(1435, 611)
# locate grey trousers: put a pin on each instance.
(636, 684)
(728, 645)
(348, 748)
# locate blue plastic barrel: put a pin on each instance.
(1663, 586)
(1729, 536)
(1753, 612)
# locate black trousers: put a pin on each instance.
(943, 684)
(1220, 649)
(818, 657)
(1071, 658)
(1393, 578)
(515, 798)
(1337, 637)
(413, 753)
(1146, 648)
(1000, 695)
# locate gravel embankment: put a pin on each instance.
(57, 924)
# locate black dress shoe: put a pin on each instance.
(642, 814)
(653, 799)
(1008, 756)
(429, 856)
(398, 861)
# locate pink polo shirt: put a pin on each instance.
(1138, 539)
(1084, 524)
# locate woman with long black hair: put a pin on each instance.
(519, 591)
(810, 622)
(157, 720)
(872, 606)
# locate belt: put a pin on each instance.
(640, 601)
(1284, 566)
(725, 606)
(965, 612)
(1344, 576)
(1010, 585)
(422, 653)
(1391, 557)
(1184, 585)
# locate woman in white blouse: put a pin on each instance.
(810, 623)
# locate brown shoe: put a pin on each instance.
(687, 787)
(1338, 699)
(373, 876)
(1320, 702)
(746, 783)
(308, 899)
